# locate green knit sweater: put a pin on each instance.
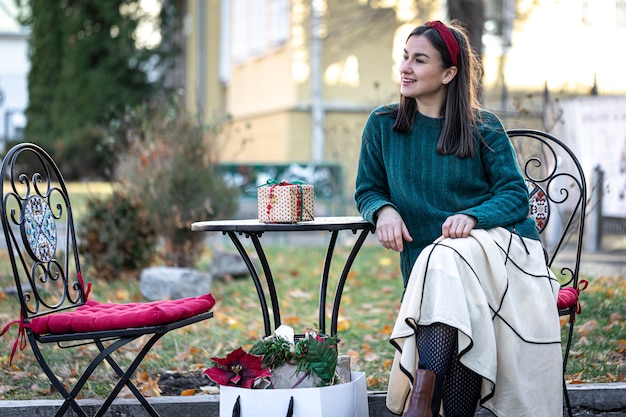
(406, 172)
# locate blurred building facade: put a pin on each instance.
(300, 77)
(14, 68)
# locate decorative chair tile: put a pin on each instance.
(39, 228)
(539, 205)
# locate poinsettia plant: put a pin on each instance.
(311, 354)
(238, 368)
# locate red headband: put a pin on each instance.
(448, 38)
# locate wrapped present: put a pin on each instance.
(285, 202)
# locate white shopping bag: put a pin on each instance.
(343, 400)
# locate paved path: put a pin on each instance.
(597, 400)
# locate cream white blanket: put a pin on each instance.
(495, 288)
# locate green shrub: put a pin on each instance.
(170, 163)
(115, 236)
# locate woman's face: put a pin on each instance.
(422, 76)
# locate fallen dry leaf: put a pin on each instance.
(583, 341)
(388, 289)
(125, 392)
(210, 389)
(17, 375)
(372, 380)
(588, 327)
(343, 325)
(6, 388)
(121, 295)
(354, 355)
(182, 356)
(616, 318)
(576, 353)
(576, 378)
(385, 261)
(298, 293)
(252, 334)
(291, 320)
(369, 338)
(142, 377)
(151, 388)
(387, 329)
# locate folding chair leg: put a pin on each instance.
(125, 378)
(105, 354)
(567, 402)
(70, 400)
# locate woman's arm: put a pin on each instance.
(509, 202)
(372, 192)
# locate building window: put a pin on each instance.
(239, 12)
(620, 12)
(279, 22)
(258, 25)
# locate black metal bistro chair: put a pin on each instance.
(55, 307)
(558, 202)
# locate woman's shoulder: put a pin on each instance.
(385, 110)
(489, 124)
(487, 118)
(383, 116)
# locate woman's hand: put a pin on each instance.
(391, 230)
(458, 225)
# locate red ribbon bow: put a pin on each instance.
(20, 340)
(273, 183)
(569, 296)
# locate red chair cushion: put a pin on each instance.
(95, 316)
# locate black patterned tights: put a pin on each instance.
(458, 386)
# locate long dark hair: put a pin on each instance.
(460, 109)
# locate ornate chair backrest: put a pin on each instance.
(39, 232)
(558, 203)
(558, 196)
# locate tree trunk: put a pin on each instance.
(472, 14)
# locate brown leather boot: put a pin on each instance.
(421, 394)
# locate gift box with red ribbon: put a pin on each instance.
(285, 202)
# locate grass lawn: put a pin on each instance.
(369, 305)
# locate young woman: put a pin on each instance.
(439, 178)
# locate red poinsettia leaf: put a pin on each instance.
(251, 369)
(250, 375)
(250, 361)
(230, 359)
(219, 375)
(246, 382)
(238, 368)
